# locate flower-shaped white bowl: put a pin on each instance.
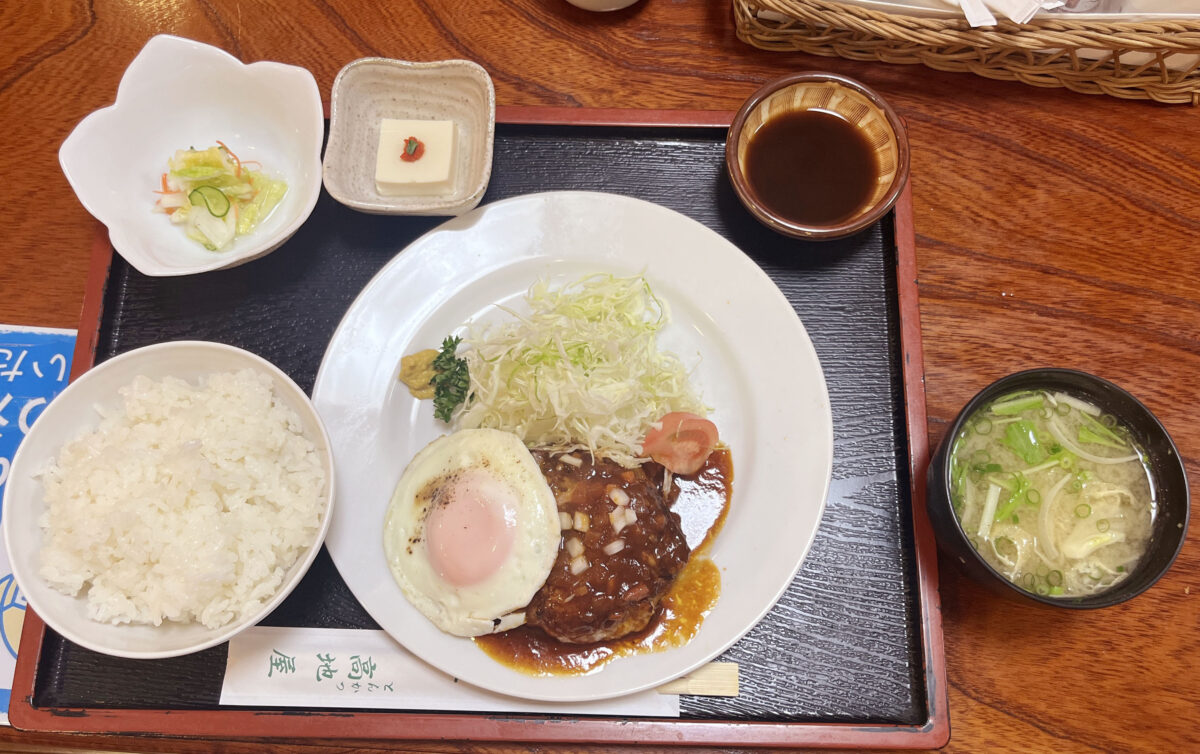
(370, 89)
(178, 93)
(74, 412)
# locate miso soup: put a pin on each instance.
(1052, 492)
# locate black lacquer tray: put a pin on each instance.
(851, 655)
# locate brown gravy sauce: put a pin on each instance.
(702, 502)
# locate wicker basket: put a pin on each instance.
(1132, 60)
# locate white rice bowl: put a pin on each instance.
(167, 499)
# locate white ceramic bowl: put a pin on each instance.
(371, 89)
(178, 93)
(71, 414)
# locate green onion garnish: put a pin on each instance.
(1054, 578)
(983, 426)
(1016, 404)
(1083, 510)
(1056, 591)
(1102, 525)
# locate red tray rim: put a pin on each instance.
(336, 724)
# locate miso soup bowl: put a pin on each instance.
(1167, 474)
(848, 99)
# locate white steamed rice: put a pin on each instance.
(189, 505)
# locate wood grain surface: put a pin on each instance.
(1052, 229)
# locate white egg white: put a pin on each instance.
(494, 604)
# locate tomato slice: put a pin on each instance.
(682, 443)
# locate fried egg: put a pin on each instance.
(472, 531)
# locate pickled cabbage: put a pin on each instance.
(215, 196)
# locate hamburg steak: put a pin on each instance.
(619, 557)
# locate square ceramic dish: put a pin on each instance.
(179, 93)
(370, 89)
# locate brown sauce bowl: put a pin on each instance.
(846, 98)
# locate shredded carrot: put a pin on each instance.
(165, 189)
(232, 156)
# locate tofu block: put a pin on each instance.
(431, 174)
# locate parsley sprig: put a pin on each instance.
(451, 381)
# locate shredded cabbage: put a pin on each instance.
(580, 371)
(243, 197)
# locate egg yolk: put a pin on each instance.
(470, 531)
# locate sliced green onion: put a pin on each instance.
(1029, 581)
(1120, 569)
(957, 446)
(211, 198)
(1102, 525)
(1033, 496)
(1017, 404)
(1083, 510)
(1005, 511)
(989, 510)
(1054, 578)
(1089, 436)
(983, 426)
(1016, 519)
(1042, 590)
(1056, 591)
(1062, 409)
(981, 456)
(1100, 428)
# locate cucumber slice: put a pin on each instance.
(211, 198)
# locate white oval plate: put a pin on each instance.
(755, 367)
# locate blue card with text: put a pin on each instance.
(35, 365)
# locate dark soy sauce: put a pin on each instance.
(811, 167)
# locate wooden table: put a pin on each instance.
(1052, 229)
